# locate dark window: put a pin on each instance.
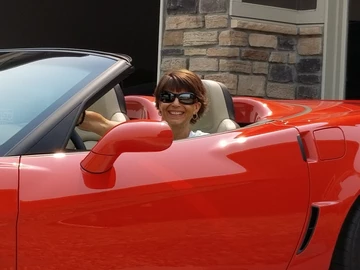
(289, 4)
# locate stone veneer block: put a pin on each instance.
(195, 51)
(172, 52)
(236, 66)
(310, 30)
(308, 92)
(173, 63)
(233, 38)
(309, 79)
(279, 90)
(310, 46)
(223, 52)
(199, 38)
(204, 64)
(230, 80)
(173, 38)
(308, 65)
(216, 21)
(286, 43)
(213, 6)
(250, 85)
(265, 41)
(279, 57)
(292, 58)
(287, 29)
(281, 73)
(256, 55)
(184, 22)
(260, 67)
(183, 6)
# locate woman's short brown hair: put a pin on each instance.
(179, 80)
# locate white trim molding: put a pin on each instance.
(335, 50)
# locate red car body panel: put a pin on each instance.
(215, 214)
(8, 211)
(237, 200)
(329, 131)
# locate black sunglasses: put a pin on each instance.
(187, 98)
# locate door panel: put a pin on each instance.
(225, 204)
(8, 211)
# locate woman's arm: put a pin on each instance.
(95, 122)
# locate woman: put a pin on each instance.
(180, 97)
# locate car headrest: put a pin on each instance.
(109, 104)
(121, 98)
(220, 109)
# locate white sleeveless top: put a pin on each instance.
(197, 133)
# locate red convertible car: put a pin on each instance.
(274, 186)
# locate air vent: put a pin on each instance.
(310, 229)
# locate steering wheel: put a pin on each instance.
(77, 141)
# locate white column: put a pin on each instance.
(161, 32)
(335, 50)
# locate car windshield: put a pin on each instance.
(32, 82)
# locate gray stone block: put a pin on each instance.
(308, 92)
(286, 43)
(309, 79)
(182, 6)
(281, 73)
(172, 52)
(213, 6)
(309, 65)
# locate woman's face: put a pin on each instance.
(177, 108)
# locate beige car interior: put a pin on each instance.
(220, 114)
(108, 106)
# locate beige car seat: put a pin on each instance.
(220, 114)
(112, 106)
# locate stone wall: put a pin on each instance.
(250, 57)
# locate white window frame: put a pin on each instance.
(240, 9)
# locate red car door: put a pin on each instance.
(8, 210)
(236, 200)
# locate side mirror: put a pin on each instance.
(130, 136)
